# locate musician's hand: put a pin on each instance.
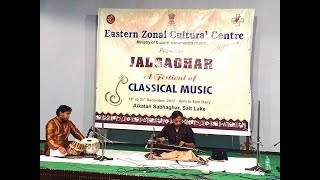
(181, 143)
(161, 139)
(62, 150)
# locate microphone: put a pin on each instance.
(154, 134)
(199, 150)
(90, 130)
(152, 138)
(276, 143)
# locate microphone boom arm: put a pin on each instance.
(276, 143)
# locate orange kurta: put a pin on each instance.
(57, 133)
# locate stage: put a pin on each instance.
(133, 163)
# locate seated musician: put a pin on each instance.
(57, 131)
(178, 134)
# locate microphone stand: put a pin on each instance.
(257, 167)
(104, 142)
(151, 141)
(277, 167)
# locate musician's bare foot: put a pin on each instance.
(147, 155)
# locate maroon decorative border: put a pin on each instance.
(56, 174)
(210, 123)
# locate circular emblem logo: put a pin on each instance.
(111, 18)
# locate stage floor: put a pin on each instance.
(137, 159)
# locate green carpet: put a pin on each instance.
(162, 172)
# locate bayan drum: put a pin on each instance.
(92, 146)
(75, 148)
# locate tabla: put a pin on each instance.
(75, 148)
(92, 145)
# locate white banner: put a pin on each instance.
(151, 62)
